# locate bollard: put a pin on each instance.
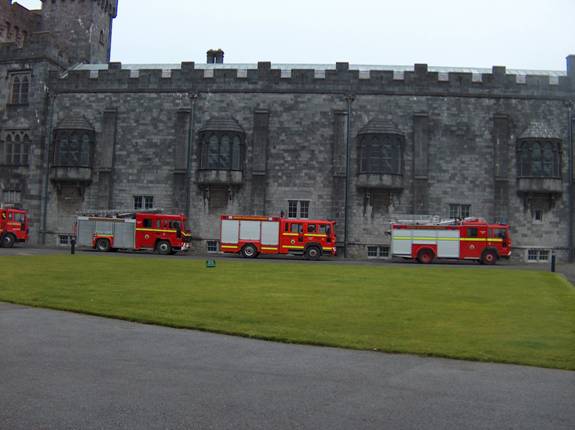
(73, 246)
(553, 263)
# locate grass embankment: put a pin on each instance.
(498, 315)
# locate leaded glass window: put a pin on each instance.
(380, 154)
(539, 159)
(73, 148)
(221, 151)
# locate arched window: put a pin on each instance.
(222, 145)
(539, 158)
(17, 143)
(19, 89)
(380, 149)
(15, 90)
(102, 40)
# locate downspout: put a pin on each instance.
(349, 99)
(570, 187)
(188, 188)
(46, 162)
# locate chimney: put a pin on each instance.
(215, 56)
(571, 67)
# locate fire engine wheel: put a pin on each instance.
(164, 248)
(249, 251)
(489, 257)
(103, 245)
(425, 256)
(7, 241)
(313, 253)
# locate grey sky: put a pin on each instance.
(524, 34)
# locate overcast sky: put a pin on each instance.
(524, 34)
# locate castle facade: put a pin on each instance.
(363, 145)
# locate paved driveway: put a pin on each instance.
(65, 371)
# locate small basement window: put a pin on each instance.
(378, 251)
(538, 255)
(64, 239)
(213, 246)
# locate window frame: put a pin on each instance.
(538, 255)
(379, 252)
(210, 248)
(458, 210)
(20, 84)
(143, 202)
(16, 148)
(214, 154)
(73, 148)
(381, 154)
(298, 209)
(539, 158)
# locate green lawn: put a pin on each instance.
(491, 314)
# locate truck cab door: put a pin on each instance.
(473, 241)
(293, 237)
(146, 238)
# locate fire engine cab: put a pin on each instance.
(13, 226)
(467, 239)
(251, 236)
(151, 230)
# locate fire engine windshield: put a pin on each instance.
(499, 233)
(21, 218)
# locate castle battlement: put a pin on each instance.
(108, 6)
(337, 78)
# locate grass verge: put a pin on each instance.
(510, 316)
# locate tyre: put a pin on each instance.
(425, 256)
(103, 245)
(313, 253)
(7, 241)
(489, 257)
(164, 248)
(249, 251)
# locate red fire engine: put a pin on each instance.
(251, 236)
(108, 231)
(13, 226)
(468, 239)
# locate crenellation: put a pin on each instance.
(115, 76)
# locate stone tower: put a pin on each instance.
(82, 27)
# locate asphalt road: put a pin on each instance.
(66, 371)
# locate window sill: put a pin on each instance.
(384, 181)
(540, 185)
(220, 177)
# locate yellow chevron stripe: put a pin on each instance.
(156, 230)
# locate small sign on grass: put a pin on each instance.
(210, 264)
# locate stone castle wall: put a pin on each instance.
(458, 133)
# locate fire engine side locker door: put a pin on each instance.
(448, 244)
(86, 230)
(250, 231)
(401, 241)
(230, 231)
(270, 236)
(125, 234)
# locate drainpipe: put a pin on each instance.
(188, 188)
(349, 100)
(46, 162)
(570, 150)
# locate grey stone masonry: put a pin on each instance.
(213, 139)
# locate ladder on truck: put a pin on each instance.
(117, 213)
